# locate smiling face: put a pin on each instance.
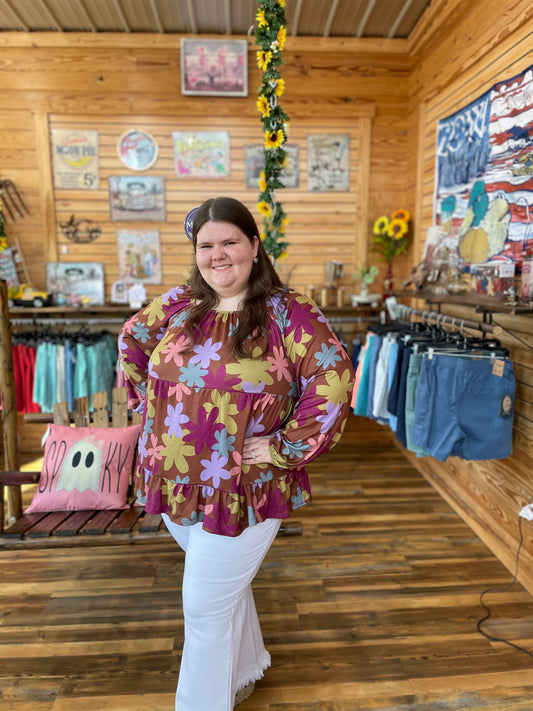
(224, 256)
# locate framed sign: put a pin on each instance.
(137, 150)
(213, 67)
(202, 154)
(75, 283)
(254, 163)
(136, 197)
(75, 159)
(139, 256)
(328, 166)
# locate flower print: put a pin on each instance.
(141, 445)
(172, 294)
(178, 391)
(327, 357)
(154, 311)
(298, 499)
(294, 449)
(297, 347)
(224, 442)
(214, 469)
(328, 420)
(154, 452)
(140, 332)
(337, 389)
(279, 364)
(177, 320)
(220, 381)
(194, 519)
(175, 419)
(252, 521)
(206, 352)
(264, 478)
(193, 375)
(220, 519)
(173, 350)
(207, 491)
(251, 388)
(176, 452)
(223, 402)
(151, 365)
(251, 371)
(254, 426)
(202, 432)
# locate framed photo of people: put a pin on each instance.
(214, 67)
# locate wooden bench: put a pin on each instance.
(74, 528)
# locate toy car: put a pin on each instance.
(26, 295)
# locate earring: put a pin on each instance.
(255, 260)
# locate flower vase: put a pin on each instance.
(388, 281)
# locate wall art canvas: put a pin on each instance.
(328, 162)
(254, 163)
(484, 174)
(136, 197)
(139, 256)
(204, 154)
(76, 283)
(137, 150)
(214, 67)
(74, 159)
(8, 268)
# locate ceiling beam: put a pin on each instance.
(192, 17)
(18, 19)
(331, 15)
(157, 18)
(399, 18)
(51, 16)
(296, 18)
(227, 16)
(370, 6)
(86, 15)
(121, 15)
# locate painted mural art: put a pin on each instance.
(484, 182)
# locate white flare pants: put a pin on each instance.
(223, 649)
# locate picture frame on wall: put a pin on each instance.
(75, 283)
(75, 158)
(254, 163)
(137, 149)
(214, 67)
(139, 256)
(328, 162)
(201, 154)
(137, 197)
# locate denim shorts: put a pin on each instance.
(464, 407)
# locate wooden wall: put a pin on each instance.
(460, 51)
(112, 83)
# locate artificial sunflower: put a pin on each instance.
(274, 139)
(391, 234)
(263, 106)
(263, 59)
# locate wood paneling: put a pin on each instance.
(465, 50)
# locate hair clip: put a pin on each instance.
(189, 221)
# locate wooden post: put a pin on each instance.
(9, 408)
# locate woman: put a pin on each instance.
(241, 384)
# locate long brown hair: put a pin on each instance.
(264, 280)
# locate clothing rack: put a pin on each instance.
(36, 321)
(458, 324)
(357, 319)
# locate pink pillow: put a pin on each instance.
(85, 468)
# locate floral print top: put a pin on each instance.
(199, 405)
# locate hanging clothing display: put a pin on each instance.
(445, 395)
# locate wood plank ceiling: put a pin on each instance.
(321, 18)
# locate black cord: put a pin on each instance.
(505, 589)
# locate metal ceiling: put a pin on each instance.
(314, 18)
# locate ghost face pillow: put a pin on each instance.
(85, 468)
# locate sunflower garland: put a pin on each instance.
(270, 36)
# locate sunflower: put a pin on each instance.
(397, 228)
(3, 244)
(263, 59)
(381, 225)
(404, 215)
(273, 139)
(260, 19)
(282, 37)
(280, 87)
(264, 208)
(263, 106)
(262, 181)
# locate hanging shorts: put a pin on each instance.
(464, 407)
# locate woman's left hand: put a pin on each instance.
(256, 450)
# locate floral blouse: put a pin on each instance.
(198, 406)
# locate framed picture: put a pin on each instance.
(136, 197)
(254, 163)
(204, 154)
(328, 164)
(139, 256)
(75, 159)
(214, 67)
(76, 283)
(137, 150)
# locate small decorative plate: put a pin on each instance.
(137, 150)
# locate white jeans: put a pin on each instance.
(223, 648)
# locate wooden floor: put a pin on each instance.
(374, 608)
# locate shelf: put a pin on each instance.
(71, 312)
(480, 305)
